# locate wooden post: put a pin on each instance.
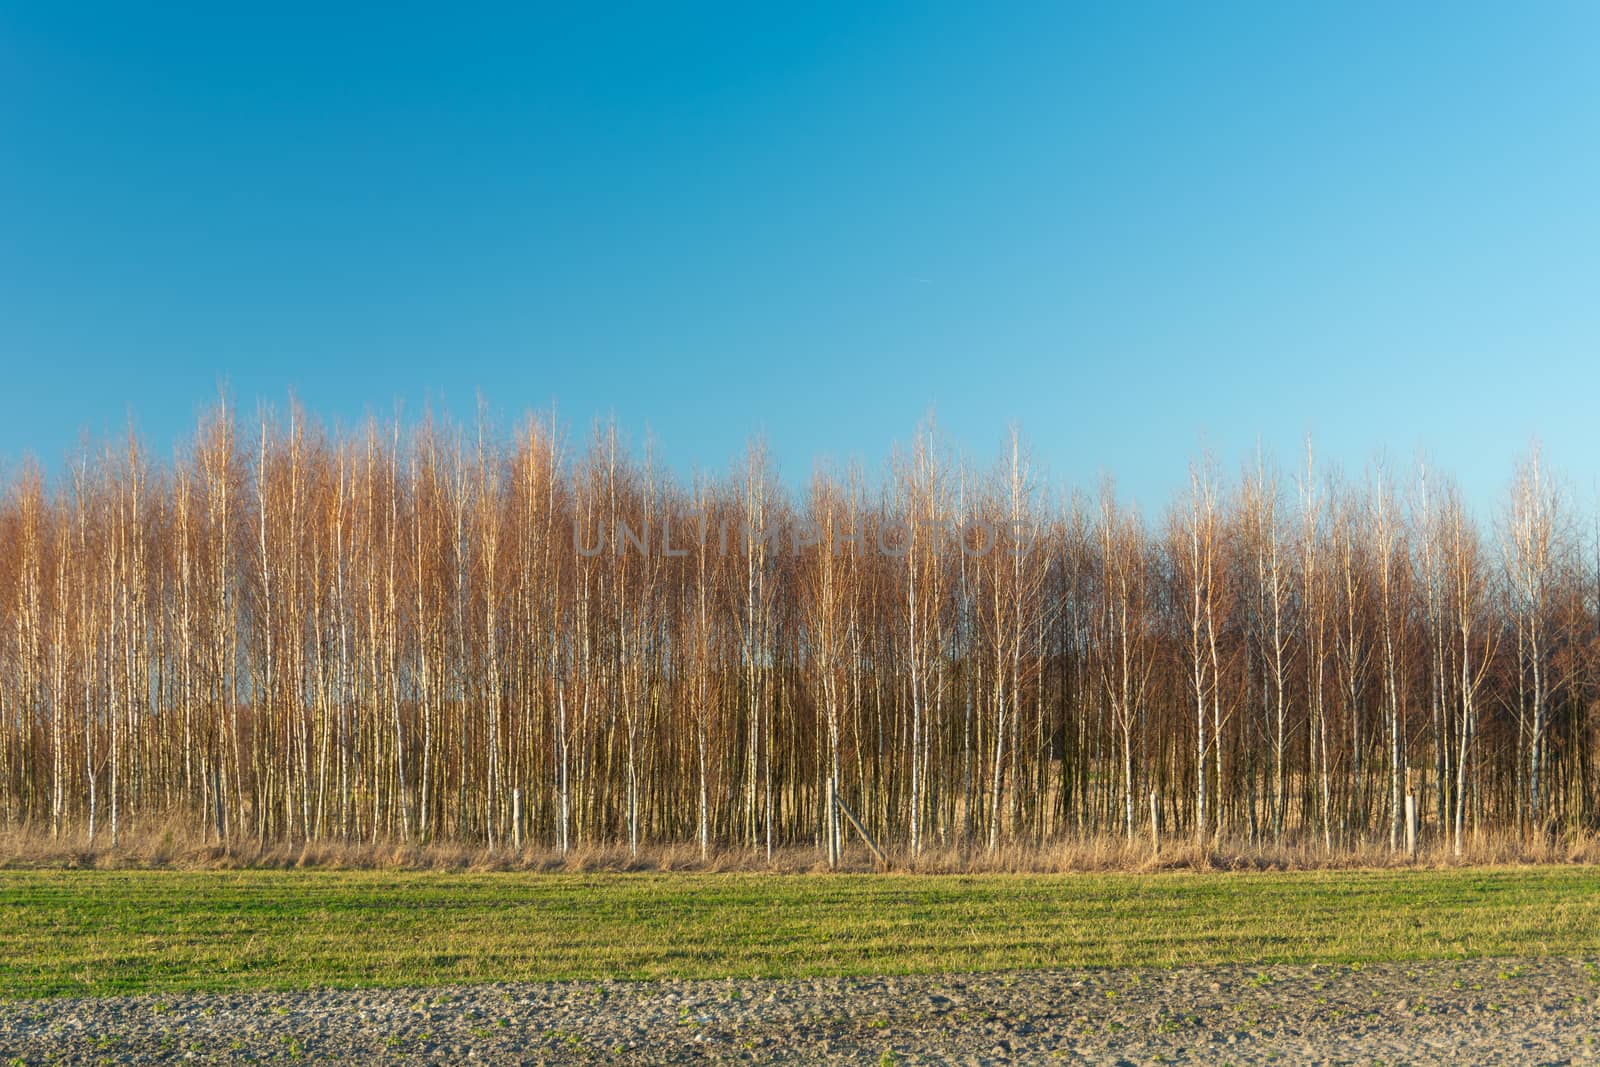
(831, 826)
(1155, 821)
(862, 830)
(1411, 825)
(516, 819)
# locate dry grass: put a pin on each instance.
(1113, 854)
(170, 845)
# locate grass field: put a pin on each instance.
(98, 932)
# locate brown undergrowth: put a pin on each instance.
(171, 845)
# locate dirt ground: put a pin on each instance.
(1510, 1011)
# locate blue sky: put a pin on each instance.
(1131, 228)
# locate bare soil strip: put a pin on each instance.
(1510, 1011)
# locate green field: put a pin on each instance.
(95, 932)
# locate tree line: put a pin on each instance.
(434, 632)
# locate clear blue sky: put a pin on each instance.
(1126, 226)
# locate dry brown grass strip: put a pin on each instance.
(169, 844)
